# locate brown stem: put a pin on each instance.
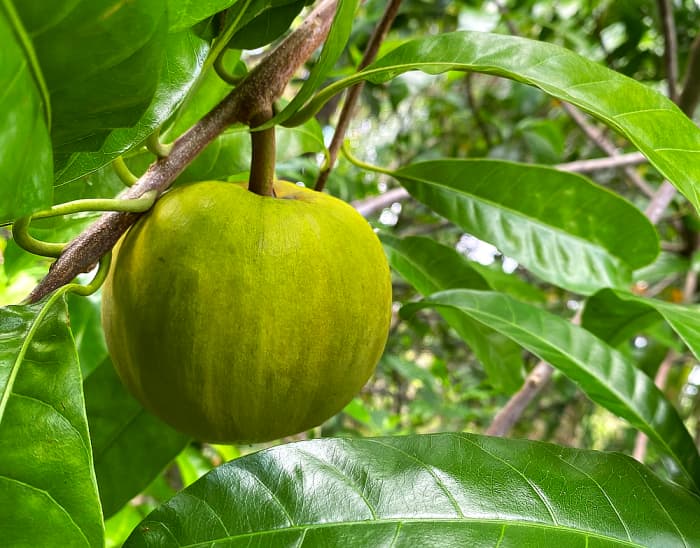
(475, 110)
(668, 25)
(690, 96)
(506, 418)
(641, 441)
(606, 146)
(353, 94)
(262, 162)
(255, 95)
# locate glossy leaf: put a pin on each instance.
(26, 160)
(617, 316)
(184, 57)
(431, 267)
(100, 59)
(269, 23)
(48, 494)
(607, 376)
(130, 446)
(182, 14)
(332, 49)
(649, 120)
(561, 226)
(447, 490)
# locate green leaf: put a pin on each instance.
(561, 226)
(332, 49)
(26, 160)
(431, 267)
(269, 23)
(100, 59)
(183, 14)
(617, 316)
(606, 375)
(131, 447)
(48, 494)
(433, 490)
(184, 57)
(649, 120)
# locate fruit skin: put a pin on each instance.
(241, 318)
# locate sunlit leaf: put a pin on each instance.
(433, 490)
(559, 225)
(48, 494)
(649, 120)
(100, 59)
(26, 160)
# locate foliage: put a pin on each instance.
(508, 247)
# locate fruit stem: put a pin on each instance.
(262, 162)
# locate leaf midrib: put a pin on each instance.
(402, 521)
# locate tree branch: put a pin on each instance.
(690, 96)
(606, 146)
(668, 24)
(253, 97)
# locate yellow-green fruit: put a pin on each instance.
(236, 317)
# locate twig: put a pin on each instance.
(255, 95)
(606, 146)
(506, 418)
(475, 110)
(668, 24)
(690, 95)
(608, 162)
(353, 94)
(660, 201)
(641, 441)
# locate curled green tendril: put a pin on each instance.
(20, 228)
(20, 233)
(78, 289)
(154, 145)
(97, 280)
(123, 171)
(222, 72)
(359, 163)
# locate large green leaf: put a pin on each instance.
(607, 376)
(100, 59)
(431, 267)
(25, 161)
(616, 316)
(648, 119)
(182, 14)
(446, 490)
(564, 228)
(184, 56)
(48, 493)
(130, 446)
